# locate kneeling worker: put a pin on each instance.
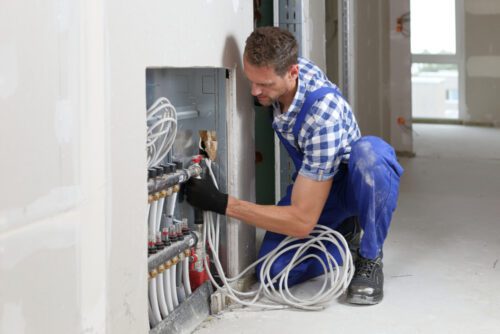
(341, 178)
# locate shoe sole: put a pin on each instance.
(364, 300)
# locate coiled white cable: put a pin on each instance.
(335, 280)
(162, 129)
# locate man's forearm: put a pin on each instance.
(286, 220)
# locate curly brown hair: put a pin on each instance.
(271, 46)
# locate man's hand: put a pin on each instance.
(201, 193)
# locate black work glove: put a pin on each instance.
(202, 194)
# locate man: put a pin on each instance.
(339, 174)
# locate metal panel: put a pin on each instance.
(199, 96)
(290, 18)
(348, 33)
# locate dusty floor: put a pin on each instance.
(442, 256)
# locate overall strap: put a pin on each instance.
(311, 98)
(295, 153)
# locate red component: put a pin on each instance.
(197, 273)
(197, 159)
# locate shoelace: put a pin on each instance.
(365, 267)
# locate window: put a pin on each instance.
(436, 58)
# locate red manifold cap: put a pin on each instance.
(197, 159)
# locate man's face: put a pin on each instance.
(267, 86)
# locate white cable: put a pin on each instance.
(168, 290)
(173, 285)
(335, 280)
(162, 129)
(153, 299)
(161, 295)
(187, 284)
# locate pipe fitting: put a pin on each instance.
(153, 274)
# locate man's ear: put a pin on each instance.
(294, 71)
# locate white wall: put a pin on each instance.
(400, 79)
(382, 89)
(482, 58)
(72, 133)
(313, 32)
(372, 68)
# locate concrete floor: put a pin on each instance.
(442, 256)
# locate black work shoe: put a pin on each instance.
(367, 285)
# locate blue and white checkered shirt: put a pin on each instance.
(328, 130)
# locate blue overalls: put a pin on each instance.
(366, 187)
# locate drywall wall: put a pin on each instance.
(381, 68)
(332, 35)
(53, 147)
(313, 46)
(399, 80)
(173, 34)
(73, 133)
(372, 68)
(482, 60)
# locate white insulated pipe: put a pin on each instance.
(173, 285)
(152, 220)
(158, 214)
(152, 320)
(171, 205)
(168, 290)
(187, 285)
(161, 295)
(153, 299)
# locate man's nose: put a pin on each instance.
(256, 91)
